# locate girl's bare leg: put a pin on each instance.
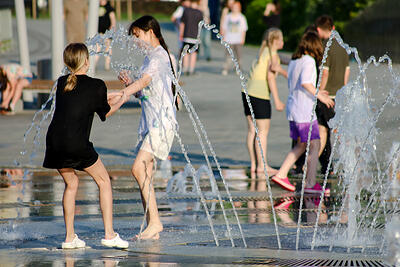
(96, 57)
(193, 60)
(71, 187)
(18, 91)
(312, 162)
(142, 170)
(228, 60)
(251, 134)
(102, 179)
(108, 57)
(185, 63)
(290, 159)
(7, 95)
(323, 133)
(263, 129)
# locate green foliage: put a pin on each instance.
(254, 16)
(296, 15)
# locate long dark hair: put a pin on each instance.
(310, 44)
(3, 80)
(146, 23)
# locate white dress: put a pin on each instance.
(158, 119)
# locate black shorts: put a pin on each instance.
(324, 114)
(190, 47)
(261, 107)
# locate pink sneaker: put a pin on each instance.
(284, 183)
(316, 189)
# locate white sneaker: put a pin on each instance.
(76, 243)
(116, 242)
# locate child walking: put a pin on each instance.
(188, 30)
(158, 119)
(261, 83)
(67, 142)
(234, 30)
(302, 76)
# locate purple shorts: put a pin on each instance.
(301, 130)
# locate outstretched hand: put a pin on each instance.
(323, 96)
(123, 76)
(114, 94)
(114, 97)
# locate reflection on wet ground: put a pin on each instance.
(32, 226)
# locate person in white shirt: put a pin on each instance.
(234, 31)
(176, 19)
(158, 120)
(302, 77)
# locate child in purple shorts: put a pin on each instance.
(302, 76)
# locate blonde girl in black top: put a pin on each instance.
(68, 148)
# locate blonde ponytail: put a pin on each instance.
(71, 82)
(74, 55)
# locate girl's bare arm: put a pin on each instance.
(136, 86)
(322, 95)
(181, 30)
(279, 105)
(346, 75)
(276, 66)
(115, 101)
(113, 20)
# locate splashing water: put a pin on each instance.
(180, 182)
(356, 148)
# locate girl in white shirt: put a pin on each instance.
(302, 77)
(158, 120)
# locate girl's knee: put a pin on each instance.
(104, 181)
(135, 171)
(72, 184)
(251, 132)
(263, 133)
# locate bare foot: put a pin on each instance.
(151, 232)
(270, 171)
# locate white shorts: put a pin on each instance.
(157, 142)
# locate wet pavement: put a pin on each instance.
(32, 226)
